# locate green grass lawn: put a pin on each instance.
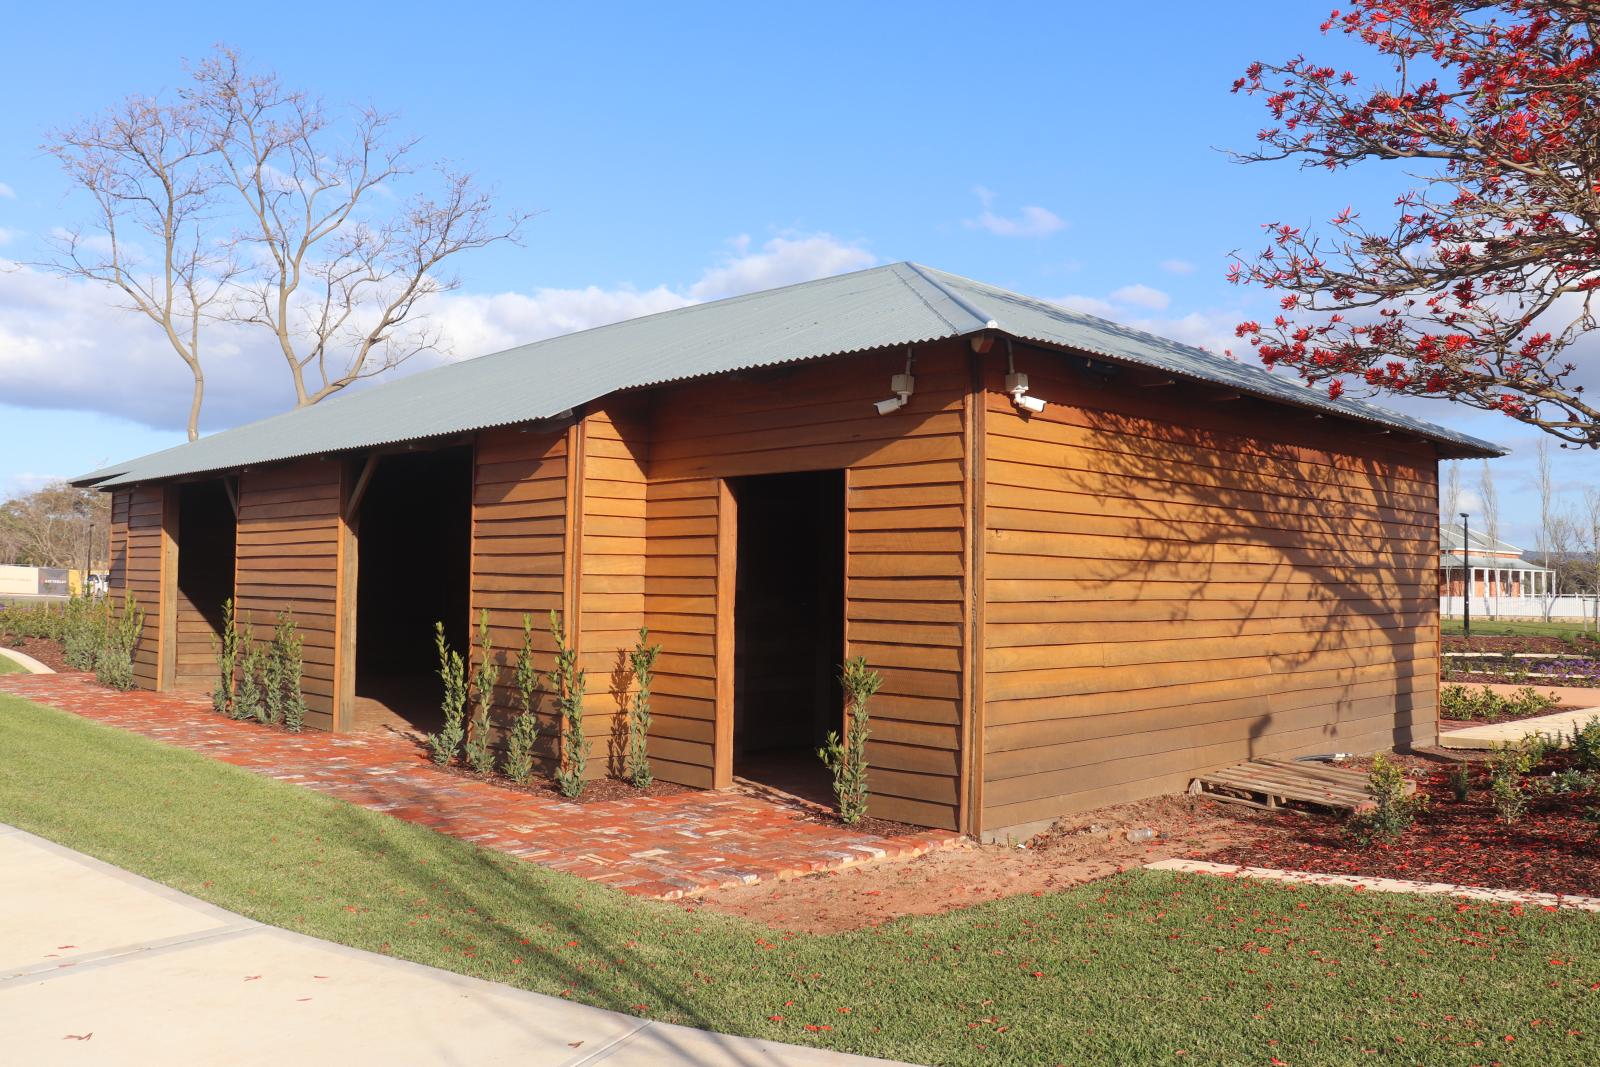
(1568, 630)
(10, 666)
(1141, 969)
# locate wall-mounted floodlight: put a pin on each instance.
(1017, 386)
(902, 385)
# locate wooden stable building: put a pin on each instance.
(1089, 562)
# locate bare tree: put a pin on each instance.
(1450, 506)
(266, 209)
(1549, 519)
(55, 526)
(1491, 531)
(147, 167)
(339, 290)
(1591, 536)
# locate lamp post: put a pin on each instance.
(1466, 581)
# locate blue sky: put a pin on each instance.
(687, 151)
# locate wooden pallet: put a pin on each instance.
(1276, 783)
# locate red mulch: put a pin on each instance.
(47, 652)
(1552, 850)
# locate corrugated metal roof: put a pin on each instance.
(898, 304)
(1450, 540)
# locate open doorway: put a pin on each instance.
(207, 532)
(414, 537)
(788, 628)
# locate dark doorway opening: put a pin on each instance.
(788, 628)
(207, 532)
(414, 532)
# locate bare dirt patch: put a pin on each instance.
(1086, 847)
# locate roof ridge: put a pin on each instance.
(945, 296)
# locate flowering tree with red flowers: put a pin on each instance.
(1483, 281)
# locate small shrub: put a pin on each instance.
(1483, 703)
(1528, 701)
(1586, 745)
(1393, 811)
(480, 756)
(288, 657)
(847, 757)
(1508, 764)
(114, 665)
(525, 729)
(44, 621)
(247, 697)
(1461, 781)
(227, 653)
(642, 661)
(567, 683)
(255, 678)
(444, 745)
(83, 633)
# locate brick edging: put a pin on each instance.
(1381, 885)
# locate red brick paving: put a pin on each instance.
(663, 847)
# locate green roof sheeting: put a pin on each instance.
(898, 304)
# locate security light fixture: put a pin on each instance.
(902, 385)
(1017, 386)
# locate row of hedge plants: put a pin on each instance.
(260, 681)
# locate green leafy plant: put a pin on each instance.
(444, 745)
(114, 665)
(251, 700)
(247, 695)
(1586, 745)
(847, 757)
(1508, 767)
(642, 661)
(1393, 810)
(525, 728)
(1461, 781)
(1483, 703)
(567, 682)
(479, 753)
(226, 649)
(83, 633)
(288, 658)
(24, 620)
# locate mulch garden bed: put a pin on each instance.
(1553, 849)
(45, 651)
(1495, 646)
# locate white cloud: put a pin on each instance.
(784, 260)
(1031, 221)
(1177, 266)
(1142, 296)
(6, 192)
(65, 344)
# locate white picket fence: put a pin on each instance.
(1568, 607)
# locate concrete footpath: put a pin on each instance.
(99, 966)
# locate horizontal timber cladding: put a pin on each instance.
(138, 550)
(1177, 580)
(288, 560)
(611, 580)
(519, 514)
(904, 576)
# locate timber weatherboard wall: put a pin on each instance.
(288, 558)
(1173, 586)
(904, 586)
(142, 563)
(519, 516)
